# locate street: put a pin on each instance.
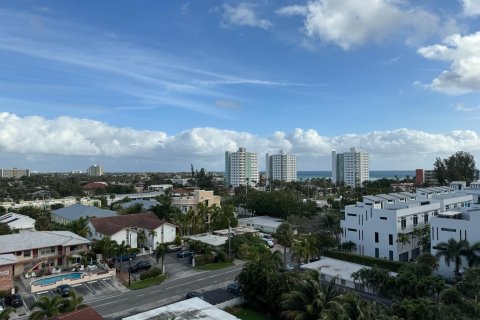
(121, 305)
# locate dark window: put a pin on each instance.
(390, 255)
(376, 237)
(351, 214)
(449, 229)
(425, 217)
(350, 229)
(403, 223)
(383, 218)
(415, 220)
(377, 253)
(390, 239)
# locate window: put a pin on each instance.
(342, 282)
(73, 248)
(351, 229)
(415, 220)
(449, 229)
(403, 223)
(47, 251)
(377, 253)
(403, 257)
(27, 253)
(390, 255)
(376, 237)
(383, 218)
(425, 217)
(390, 239)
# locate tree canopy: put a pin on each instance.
(458, 167)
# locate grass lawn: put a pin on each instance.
(247, 314)
(215, 266)
(148, 282)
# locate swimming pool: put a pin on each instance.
(51, 280)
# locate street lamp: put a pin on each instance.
(229, 240)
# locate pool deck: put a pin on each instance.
(86, 277)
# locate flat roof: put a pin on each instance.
(374, 198)
(262, 220)
(386, 196)
(210, 239)
(399, 195)
(39, 239)
(190, 309)
(449, 213)
(236, 230)
(408, 194)
(334, 267)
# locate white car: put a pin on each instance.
(269, 243)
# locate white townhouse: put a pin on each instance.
(386, 225)
(126, 228)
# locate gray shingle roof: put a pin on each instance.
(77, 211)
(38, 239)
(7, 259)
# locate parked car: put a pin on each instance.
(184, 254)
(14, 300)
(268, 237)
(140, 265)
(234, 288)
(194, 294)
(173, 248)
(269, 243)
(63, 290)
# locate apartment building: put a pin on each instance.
(351, 168)
(241, 168)
(281, 166)
(42, 249)
(190, 201)
(14, 173)
(95, 170)
(386, 225)
(425, 176)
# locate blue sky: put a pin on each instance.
(158, 85)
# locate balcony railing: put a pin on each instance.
(411, 228)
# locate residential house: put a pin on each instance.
(18, 222)
(77, 211)
(146, 204)
(42, 249)
(265, 224)
(127, 228)
(91, 188)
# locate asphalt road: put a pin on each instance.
(136, 301)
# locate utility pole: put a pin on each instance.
(129, 269)
(229, 240)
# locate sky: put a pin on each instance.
(159, 85)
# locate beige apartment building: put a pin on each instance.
(186, 202)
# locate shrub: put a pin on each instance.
(201, 259)
(154, 272)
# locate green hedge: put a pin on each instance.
(155, 272)
(365, 260)
(202, 259)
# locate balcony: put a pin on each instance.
(411, 228)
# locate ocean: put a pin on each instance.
(374, 174)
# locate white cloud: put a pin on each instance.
(471, 8)
(463, 54)
(463, 108)
(242, 15)
(36, 137)
(350, 23)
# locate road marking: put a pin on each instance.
(86, 285)
(93, 281)
(76, 285)
(102, 282)
(107, 303)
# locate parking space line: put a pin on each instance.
(76, 285)
(103, 283)
(107, 303)
(88, 287)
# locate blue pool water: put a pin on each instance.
(51, 280)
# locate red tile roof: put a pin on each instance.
(111, 225)
(94, 185)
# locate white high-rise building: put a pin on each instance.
(241, 167)
(281, 167)
(95, 170)
(350, 167)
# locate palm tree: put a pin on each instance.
(160, 253)
(428, 261)
(141, 238)
(349, 246)
(5, 314)
(46, 307)
(72, 303)
(309, 300)
(80, 227)
(301, 250)
(152, 234)
(404, 239)
(452, 251)
(472, 257)
(284, 236)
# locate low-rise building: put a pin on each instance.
(42, 249)
(190, 201)
(388, 225)
(146, 204)
(74, 212)
(18, 222)
(7, 265)
(127, 228)
(265, 224)
(159, 187)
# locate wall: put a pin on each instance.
(6, 278)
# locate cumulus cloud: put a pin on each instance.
(350, 23)
(40, 138)
(463, 54)
(463, 108)
(242, 15)
(471, 8)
